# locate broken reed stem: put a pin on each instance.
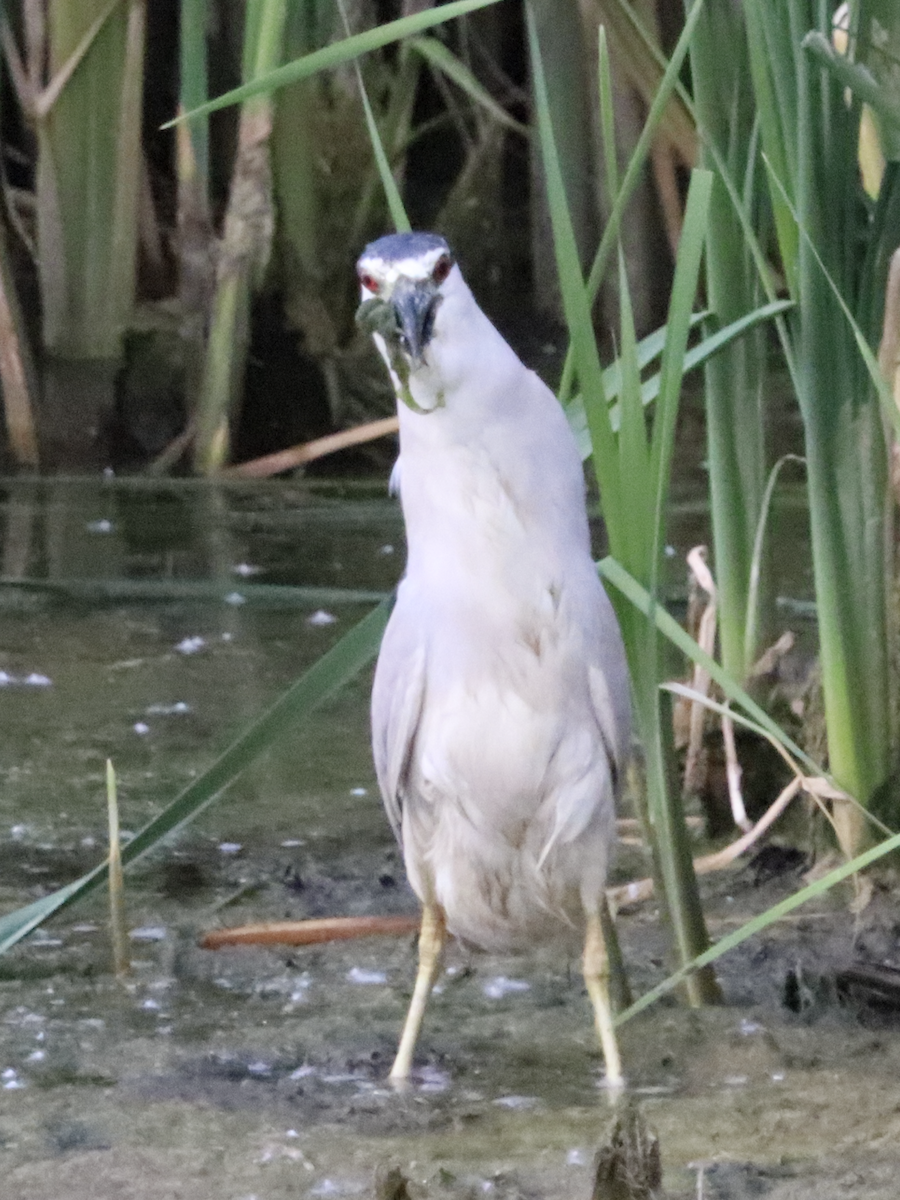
(733, 774)
(296, 456)
(700, 680)
(121, 960)
(642, 889)
(308, 933)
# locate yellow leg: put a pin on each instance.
(431, 944)
(596, 976)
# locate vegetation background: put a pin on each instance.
(659, 187)
(120, 234)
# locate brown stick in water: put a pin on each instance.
(307, 933)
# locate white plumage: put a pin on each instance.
(500, 709)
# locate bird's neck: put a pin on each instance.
(490, 477)
(495, 498)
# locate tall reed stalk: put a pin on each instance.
(196, 242)
(88, 121)
(89, 165)
(17, 374)
(246, 242)
(195, 236)
(561, 32)
(835, 262)
(734, 381)
(633, 467)
(299, 115)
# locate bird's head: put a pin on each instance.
(401, 277)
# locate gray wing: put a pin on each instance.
(398, 695)
(611, 690)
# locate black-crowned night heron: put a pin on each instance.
(500, 710)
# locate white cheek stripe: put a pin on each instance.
(388, 273)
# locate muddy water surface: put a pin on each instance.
(261, 1072)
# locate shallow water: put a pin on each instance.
(149, 624)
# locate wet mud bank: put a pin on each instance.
(262, 1071)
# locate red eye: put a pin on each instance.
(442, 269)
(369, 282)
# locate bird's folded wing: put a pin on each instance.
(611, 711)
(397, 698)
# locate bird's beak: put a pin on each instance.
(415, 305)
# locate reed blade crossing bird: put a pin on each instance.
(500, 708)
